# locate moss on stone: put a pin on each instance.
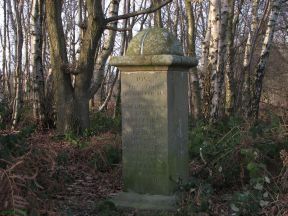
(154, 41)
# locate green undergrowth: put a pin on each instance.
(101, 122)
(237, 162)
(5, 114)
(105, 158)
(14, 145)
(101, 158)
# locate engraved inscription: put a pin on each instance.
(144, 122)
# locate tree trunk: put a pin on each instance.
(86, 62)
(124, 43)
(176, 18)
(101, 61)
(221, 59)
(8, 60)
(36, 52)
(229, 72)
(64, 97)
(27, 82)
(204, 76)
(11, 17)
(18, 86)
(193, 73)
(247, 87)
(157, 15)
(213, 59)
(260, 71)
(72, 104)
(110, 92)
(4, 63)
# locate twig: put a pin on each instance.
(5, 161)
(117, 29)
(15, 165)
(136, 13)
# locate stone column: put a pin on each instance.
(154, 105)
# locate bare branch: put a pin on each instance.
(136, 13)
(118, 29)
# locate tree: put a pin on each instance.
(248, 55)
(193, 73)
(4, 47)
(18, 87)
(72, 101)
(266, 46)
(157, 15)
(107, 49)
(38, 76)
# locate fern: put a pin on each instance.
(4, 191)
(11, 202)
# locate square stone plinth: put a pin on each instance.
(145, 201)
(154, 103)
(154, 129)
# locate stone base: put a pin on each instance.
(145, 201)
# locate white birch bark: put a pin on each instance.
(4, 63)
(10, 21)
(36, 57)
(11, 17)
(99, 69)
(266, 46)
(18, 85)
(229, 81)
(247, 90)
(204, 77)
(218, 109)
(110, 92)
(215, 90)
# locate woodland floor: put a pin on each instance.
(83, 184)
(70, 176)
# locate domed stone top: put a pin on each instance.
(154, 47)
(154, 41)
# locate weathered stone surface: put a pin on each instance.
(154, 60)
(154, 124)
(145, 132)
(154, 98)
(145, 201)
(154, 41)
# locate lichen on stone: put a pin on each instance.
(154, 41)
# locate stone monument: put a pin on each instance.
(154, 107)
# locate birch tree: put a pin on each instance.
(266, 46)
(18, 87)
(4, 47)
(249, 51)
(36, 56)
(101, 60)
(213, 59)
(230, 84)
(204, 81)
(219, 94)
